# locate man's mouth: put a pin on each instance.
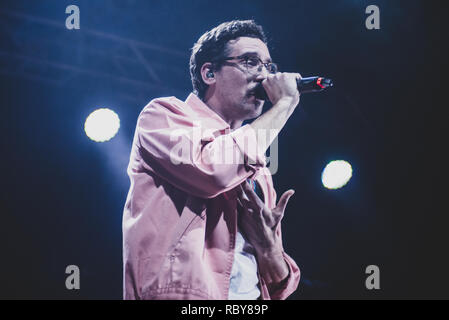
(252, 97)
(256, 97)
(258, 92)
(253, 93)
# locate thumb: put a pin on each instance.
(278, 211)
(282, 203)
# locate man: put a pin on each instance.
(193, 226)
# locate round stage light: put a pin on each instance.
(102, 125)
(336, 174)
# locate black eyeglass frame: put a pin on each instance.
(260, 63)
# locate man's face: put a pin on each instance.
(235, 85)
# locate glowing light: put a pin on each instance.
(102, 125)
(336, 174)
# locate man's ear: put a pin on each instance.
(207, 73)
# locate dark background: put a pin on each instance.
(62, 195)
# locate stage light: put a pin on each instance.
(336, 174)
(102, 125)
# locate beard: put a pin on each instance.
(252, 106)
(242, 105)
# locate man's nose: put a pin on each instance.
(262, 74)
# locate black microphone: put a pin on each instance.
(305, 85)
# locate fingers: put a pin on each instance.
(282, 203)
(278, 212)
(241, 193)
(251, 202)
(282, 85)
(247, 190)
(240, 202)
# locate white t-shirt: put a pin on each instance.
(244, 279)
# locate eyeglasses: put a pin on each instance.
(254, 64)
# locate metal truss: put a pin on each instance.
(41, 49)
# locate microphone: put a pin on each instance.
(305, 85)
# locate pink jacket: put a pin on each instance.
(180, 216)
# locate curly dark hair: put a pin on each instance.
(212, 46)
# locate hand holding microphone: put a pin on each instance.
(281, 85)
(303, 85)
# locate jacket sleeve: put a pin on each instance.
(280, 291)
(199, 160)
